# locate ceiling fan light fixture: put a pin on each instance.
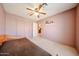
(38, 10)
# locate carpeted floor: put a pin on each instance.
(21, 47)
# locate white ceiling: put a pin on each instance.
(52, 9)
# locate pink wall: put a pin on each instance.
(2, 18)
(16, 25)
(63, 28)
(77, 29)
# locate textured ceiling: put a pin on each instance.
(52, 9)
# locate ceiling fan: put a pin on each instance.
(37, 10)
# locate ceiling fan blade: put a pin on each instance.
(29, 9)
(42, 13)
(40, 6)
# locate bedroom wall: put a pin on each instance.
(62, 29)
(2, 18)
(14, 25)
(77, 29)
(18, 26)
